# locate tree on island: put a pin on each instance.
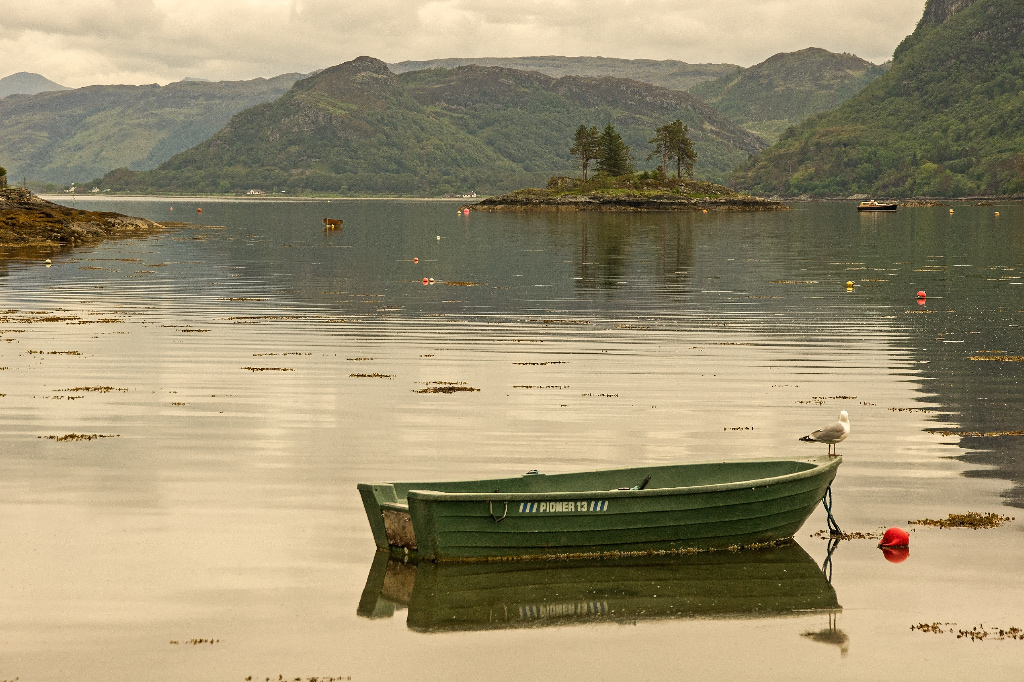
(3, 177)
(614, 159)
(671, 141)
(586, 146)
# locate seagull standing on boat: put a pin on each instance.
(835, 432)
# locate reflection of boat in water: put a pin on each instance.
(877, 205)
(480, 596)
(702, 505)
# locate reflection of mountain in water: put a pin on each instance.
(983, 396)
(481, 596)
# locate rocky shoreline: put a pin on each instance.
(27, 220)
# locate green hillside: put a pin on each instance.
(946, 120)
(667, 73)
(785, 89)
(74, 135)
(357, 128)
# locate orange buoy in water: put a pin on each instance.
(426, 281)
(172, 208)
(895, 545)
(415, 260)
(199, 210)
(997, 214)
(895, 537)
(922, 294)
(951, 211)
(465, 211)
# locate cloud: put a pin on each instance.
(82, 42)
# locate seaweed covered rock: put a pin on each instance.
(26, 219)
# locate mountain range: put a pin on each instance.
(358, 128)
(785, 89)
(73, 135)
(947, 119)
(24, 83)
(667, 73)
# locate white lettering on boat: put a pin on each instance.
(570, 506)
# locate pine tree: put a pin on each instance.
(585, 146)
(671, 141)
(615, 159)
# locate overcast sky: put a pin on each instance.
(84, 42)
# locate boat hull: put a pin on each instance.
(727, 504)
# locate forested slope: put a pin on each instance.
(946, 120)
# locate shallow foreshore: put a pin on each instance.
(28, 220)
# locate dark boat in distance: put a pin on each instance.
(878, 205)
(449, 597)
(616, 512)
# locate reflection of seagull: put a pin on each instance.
(835, 432)
(832, 636)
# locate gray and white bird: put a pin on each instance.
(835, 432)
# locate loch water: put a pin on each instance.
(185, 418)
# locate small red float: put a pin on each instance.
(415, 260)
(200, 210)
(922, 294)
(426, 281)
(895, 537)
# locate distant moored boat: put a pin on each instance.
(878, 205)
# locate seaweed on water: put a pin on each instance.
(972, 520)
(976, 633)
(447, 387)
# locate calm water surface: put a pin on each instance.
(235, 380)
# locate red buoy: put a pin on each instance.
(415, 260)
(895, 537)
(200, 210)
(922, 294)
(426, 281)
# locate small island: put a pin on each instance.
(618, 187)
(627, 194)
(28, 220)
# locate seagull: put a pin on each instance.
(836, 432)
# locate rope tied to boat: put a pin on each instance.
(826, 501)
(490, 506)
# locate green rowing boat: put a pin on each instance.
(443, 597)
(701, 506)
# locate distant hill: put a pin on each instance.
(24, 83)
(785, 89)
(358, 128)
(946, 120)
(667, 73)
(74, 135)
